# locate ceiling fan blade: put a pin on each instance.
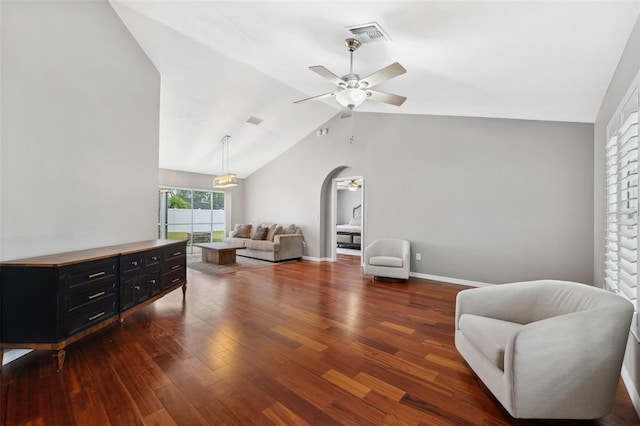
(387, 98)
(346, 112)
(323, 72)
(382, 75)
(313, 98)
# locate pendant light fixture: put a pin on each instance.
(352, 186)
(226, 179)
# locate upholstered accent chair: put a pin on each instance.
(388, 258)
(545, 349)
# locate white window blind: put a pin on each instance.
(621, 156)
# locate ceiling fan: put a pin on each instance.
(353, 90)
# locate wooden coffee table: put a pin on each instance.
(219, 253)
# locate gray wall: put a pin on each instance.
(180, 179)
(487, 200)
(347, 201)
(628, 68)
(79, 140)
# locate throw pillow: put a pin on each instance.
(261, 233)
(289, 229)
(273, 231)
(243, 231)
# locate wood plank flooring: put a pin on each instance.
(300, 343)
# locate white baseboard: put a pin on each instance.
(416, 274)
(449, 280)
(316, 259)
(631, 389)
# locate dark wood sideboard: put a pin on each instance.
(49, 302)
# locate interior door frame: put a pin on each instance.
(334, 215)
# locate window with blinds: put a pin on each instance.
(621, 155)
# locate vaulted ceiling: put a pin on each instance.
(222, 62)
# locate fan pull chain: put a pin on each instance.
(351, 119)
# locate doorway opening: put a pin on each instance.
(347, 227)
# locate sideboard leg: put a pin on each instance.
(1, 357)
(58, 358)
(184, 290)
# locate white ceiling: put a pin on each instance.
(222, 62)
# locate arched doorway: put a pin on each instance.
(348, 216)
(329, 215)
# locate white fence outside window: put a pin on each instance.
(180, 220)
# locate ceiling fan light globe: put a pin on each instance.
(351, 97)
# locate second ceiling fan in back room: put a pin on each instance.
(353, 90)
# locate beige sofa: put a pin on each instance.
(281, 242)
(545, 349)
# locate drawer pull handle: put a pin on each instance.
(134, 263)
(154, 257)
(175, 280)
(97, 274)
(178, 253)
(152, 281)
(137, 287)
(174, 267)
(96, 316)
(93, 296)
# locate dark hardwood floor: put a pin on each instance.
(295, 343)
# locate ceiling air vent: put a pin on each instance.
(254, 120)
(367, 33)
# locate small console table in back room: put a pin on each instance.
(49, 302)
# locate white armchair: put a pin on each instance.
(545, 349)
(388, 258)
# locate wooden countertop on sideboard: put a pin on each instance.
(78, 256)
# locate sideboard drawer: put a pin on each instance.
(92, 314)
(131, 262)
(174, 252)
(88, 273)
(173, 265)
(174, 278)
(88, 295)
(153, 258)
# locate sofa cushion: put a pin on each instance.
(262, 245)
(261, 233)
(488, 335)
(243, 231)
(274, 230)
(389, 261)
(239, 242)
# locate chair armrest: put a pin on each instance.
(539, 355)
(289, 245)
(373, 249)
(406, 255)
(288, 240)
